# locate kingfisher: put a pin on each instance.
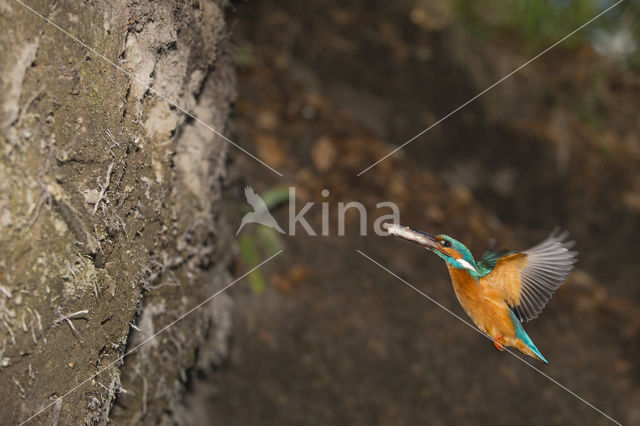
(503, 289)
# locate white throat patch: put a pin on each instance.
(466, 264)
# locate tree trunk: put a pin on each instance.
(110, 206)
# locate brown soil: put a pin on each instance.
(326, 89)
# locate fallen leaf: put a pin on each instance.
(323, 154)
(269, 149)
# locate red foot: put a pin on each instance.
(498, 342)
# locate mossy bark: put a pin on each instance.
(110, 206)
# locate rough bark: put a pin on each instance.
(110, 206)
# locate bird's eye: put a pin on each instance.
(446, 243)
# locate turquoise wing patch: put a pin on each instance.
(488, 260)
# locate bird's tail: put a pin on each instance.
(523, 341)
(530, 350)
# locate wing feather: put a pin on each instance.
(527, 280)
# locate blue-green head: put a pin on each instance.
(452, 251)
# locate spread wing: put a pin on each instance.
(528, 279)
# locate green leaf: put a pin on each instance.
(251, 257)
(244, 57)
(269, 239)
(275, 196)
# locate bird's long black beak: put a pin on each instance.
(424, 239)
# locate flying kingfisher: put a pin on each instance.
(503, 289)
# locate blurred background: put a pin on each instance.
(324, 336)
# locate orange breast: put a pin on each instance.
(484, 306)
